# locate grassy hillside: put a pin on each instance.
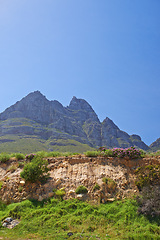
(26, 144)
(54, 219)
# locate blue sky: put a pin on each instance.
(106, 52)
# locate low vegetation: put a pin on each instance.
(128, 153)
(81, 190)
(96, 187)
(148, 183)
(36, 170)
(4, 157)
(148, 176)
(55, 219)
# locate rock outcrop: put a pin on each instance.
(68, 173)
(35, 116)
(155, 145)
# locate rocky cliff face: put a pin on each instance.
(155, 145)
(71, 172)
(34, 115)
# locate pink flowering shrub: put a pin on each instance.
(130, 152)
(30, 156)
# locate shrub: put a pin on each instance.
(30, 156)
(157, 153)
(148, 175)
(18, 156)
(105, 180)
(92, 153)
(1, 184)
(81, 190)
(148, 182)
(54, 154)
(108, 153)
(4, 157)
(96, 187)
(60, 193)
(12, 168)
(149, 201)
(36, 170)
(20, 164)
(20, 189)
(42, 154)
(130, 152)
(111, 184)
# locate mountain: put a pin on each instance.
(34, 123)
(155, 146)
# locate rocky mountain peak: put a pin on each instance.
(78, 104)
(34, 96)
(82, 110)
(77, 122)
(109, 123)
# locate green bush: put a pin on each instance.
(147, 175)
(108, 153)
(54, 154)
(18, 156)
(60, 193)
(149, 201)
(20, 189)
(111, 184)
(81, 189)
(1, 184)
(96, 187)
(105, 180)
(30, 156)
(92, 153)
(20, 164)
(4, 157)
(130, 152)
(36, 170)
(42, 154)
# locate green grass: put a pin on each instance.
(68, 145)
(27, 144)
(23, 144)
(53, 219)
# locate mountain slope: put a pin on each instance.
(51, 124)
(155, 146)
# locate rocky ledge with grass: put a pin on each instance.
(104, 178)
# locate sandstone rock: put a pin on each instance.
(86, 174)
(22, 183)
(71, 192)
(80, 196)
(110, 200)
(58, 181)
(40, 198)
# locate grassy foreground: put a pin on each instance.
(54, 219)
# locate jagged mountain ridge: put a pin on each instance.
(35, 116)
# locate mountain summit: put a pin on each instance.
(49, 123)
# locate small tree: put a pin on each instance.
(36, 170)
(81, 189)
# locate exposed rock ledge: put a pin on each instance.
(69, 173)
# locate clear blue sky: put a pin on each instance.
(106, 52)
